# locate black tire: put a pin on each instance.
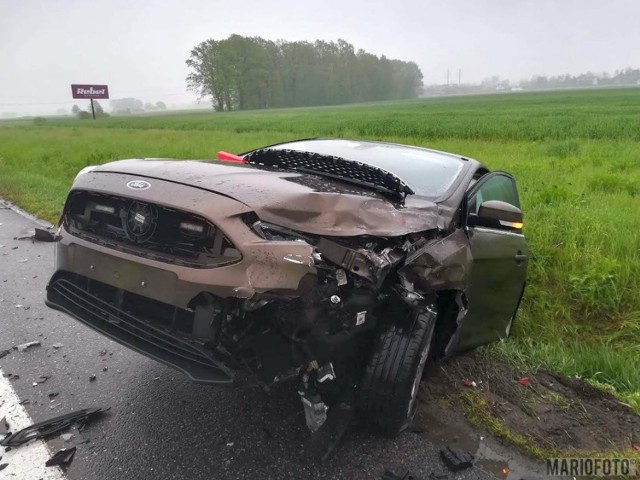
(389, 388)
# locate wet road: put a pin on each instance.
(160, 425)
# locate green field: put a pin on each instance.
(575, 155)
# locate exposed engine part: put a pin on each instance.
(326, 373)
(362, 262)
(315, 410)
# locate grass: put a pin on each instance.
(575, 155)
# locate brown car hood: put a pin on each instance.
(302, 202)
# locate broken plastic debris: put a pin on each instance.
(41, 379)
(4, 353)
(67, 437)
(456, 460)
(4, 426)
(230, 444)
(61, 457)
(24, 346)
(391, 475)
(636, 448)
(325, 439)
(42, 235)
(92, 377)
(524, 381)
(51, 426)
(53, 394)
(57, 345)
(467, 383)
(437, 476)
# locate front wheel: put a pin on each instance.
(389, 388)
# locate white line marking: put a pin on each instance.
(27, 461)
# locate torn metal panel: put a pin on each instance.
(442, 264)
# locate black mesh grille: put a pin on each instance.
(336, 167)
(147, 230)
(153, 328)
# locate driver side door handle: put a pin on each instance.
(520, 257)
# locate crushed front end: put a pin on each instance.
(199, 282)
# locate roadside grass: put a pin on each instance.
(575, 156)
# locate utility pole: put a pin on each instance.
(93, 111)
(447, 77)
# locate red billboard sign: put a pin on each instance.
(90, 91)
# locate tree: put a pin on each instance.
(75, 109)
(251, 72)
(161, 106)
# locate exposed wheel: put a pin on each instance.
(389, 388)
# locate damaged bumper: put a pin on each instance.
(134, 325)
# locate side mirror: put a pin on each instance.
(497, 214)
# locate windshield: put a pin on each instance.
(427, 172)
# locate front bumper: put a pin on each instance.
(70, 293)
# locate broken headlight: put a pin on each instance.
(269, 231)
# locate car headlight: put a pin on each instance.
(269, 231)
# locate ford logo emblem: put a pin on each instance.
(138, 185)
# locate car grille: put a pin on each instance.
(145, 325)
(148, 230)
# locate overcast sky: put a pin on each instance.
(139, 48)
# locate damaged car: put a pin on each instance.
(344, 265)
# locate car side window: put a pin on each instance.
(495, 187)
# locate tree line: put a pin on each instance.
(240, 73)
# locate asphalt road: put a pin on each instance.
(160, 425)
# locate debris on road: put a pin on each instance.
(53, 394)
(41, 380)
(37, 234)
(437, 476)
(57, 345)
(11, 376)
(469, 383)
(61, 457)
(92, 377)
(325, 439)
(3, 466)
(4, 353)
(42, 235)
(391, 475)
(23, 347)
(456, 460)
(4, 426)
(51, 426)
(67, 437)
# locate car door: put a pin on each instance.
(498, 272)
